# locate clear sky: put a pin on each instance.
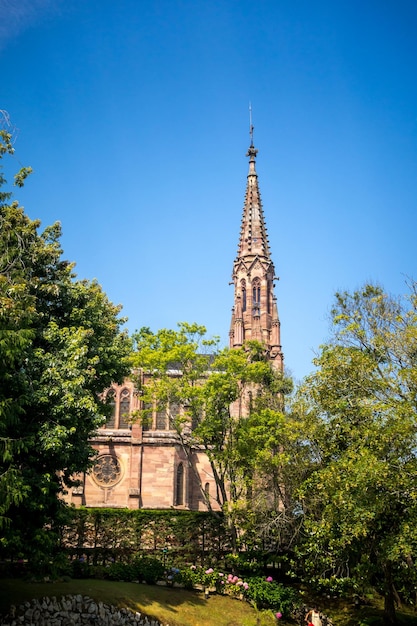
(134, 117)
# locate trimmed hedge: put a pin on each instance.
(106, 535)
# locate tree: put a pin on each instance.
(359, 407)
(278, 465)
(60, 347)
(225, 398)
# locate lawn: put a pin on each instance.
(178, 607)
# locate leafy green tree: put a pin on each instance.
(359, 410)
(60, 347)
(275, 446)
(171, 369)
(231, 406)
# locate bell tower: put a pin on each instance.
(255, 310)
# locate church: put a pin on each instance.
(144, 466)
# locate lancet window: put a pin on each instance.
(124, 408)
(179, 485)
(161, 419)
(256, 291)
(256, 296)
(119, 403)
(111, 401)
(147, 416)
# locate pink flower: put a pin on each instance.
(245, 586)
(278, 615)
(269, 579)
(210, 570)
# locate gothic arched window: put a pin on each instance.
(174, 411)
(111, 401)
(256, 297)
(146, 416)
(161, 419)
(179, 485)
(256, 292)
(124, 408)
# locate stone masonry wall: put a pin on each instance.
(74, 610)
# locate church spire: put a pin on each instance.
(255, 312)
(253, 234)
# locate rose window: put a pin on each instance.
(107, 470)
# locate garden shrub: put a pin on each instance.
(264, 593)
(148, 569)
(188, 578)
(123, 572)
(173, 575)
(197, 576)
(342, 587)
(81, 569)
(245, 564)
(142, 568)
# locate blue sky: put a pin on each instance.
(134, 117)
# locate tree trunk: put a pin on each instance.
(390, 618)
(233, 532)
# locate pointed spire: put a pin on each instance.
(255, 311)
(253, 235)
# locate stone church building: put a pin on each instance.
(142, 466)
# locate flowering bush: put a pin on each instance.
(211, 578)
(190, 576)
(264, 593)
(172, 575)
(235, 586)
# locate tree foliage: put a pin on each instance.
(359, 410)
(231, 404)
(60, 346)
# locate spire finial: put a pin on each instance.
(251, 127)
(252, 152)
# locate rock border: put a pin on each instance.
(73, 610)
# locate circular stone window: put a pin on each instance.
(107, 470)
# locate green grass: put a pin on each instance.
(344, 613)
(179, 607)
(176, 607)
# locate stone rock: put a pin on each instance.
(73, 611)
